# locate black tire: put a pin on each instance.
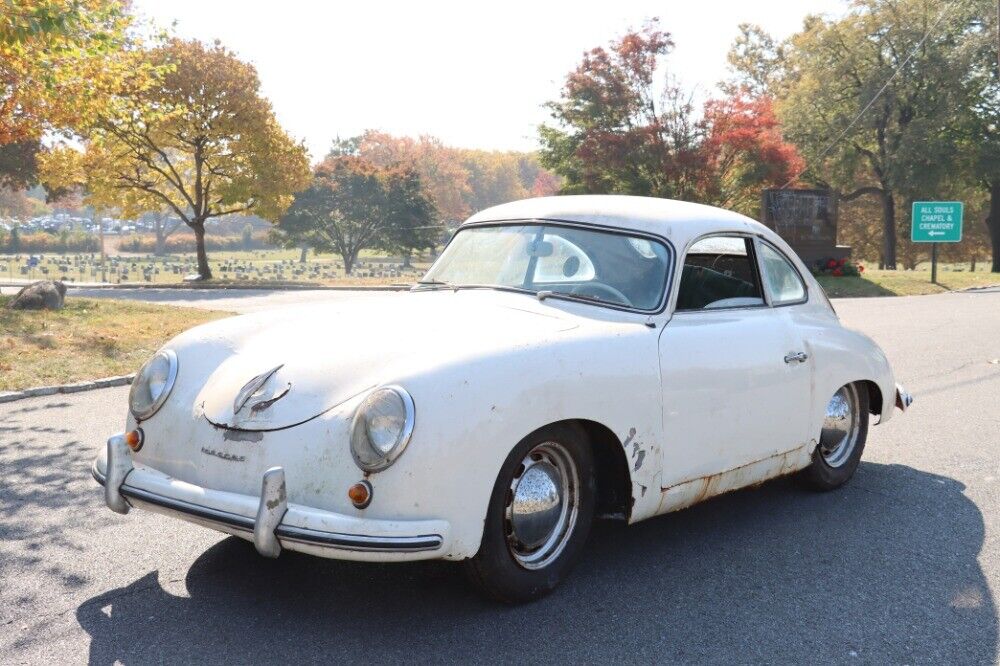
(822, 476)
(494, 569)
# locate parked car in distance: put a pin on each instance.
(565, 358)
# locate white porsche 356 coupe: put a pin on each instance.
(564, 358)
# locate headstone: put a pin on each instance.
(806, 220)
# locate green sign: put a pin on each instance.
(936, 222)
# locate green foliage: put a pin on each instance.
(353, 205)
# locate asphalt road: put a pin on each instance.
(901, 566)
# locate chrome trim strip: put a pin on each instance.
(409, 544)
(223, 517)
(336, 540)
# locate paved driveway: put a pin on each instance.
(901, 566)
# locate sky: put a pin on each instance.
(473, 74)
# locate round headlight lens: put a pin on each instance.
(381, 428)
(152, 384)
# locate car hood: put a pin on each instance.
(285, 367)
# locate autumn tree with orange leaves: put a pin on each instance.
(459, 181)
(621, 127)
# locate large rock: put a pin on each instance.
(42, 295)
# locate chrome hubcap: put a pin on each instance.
(542, 504)
(840, 427)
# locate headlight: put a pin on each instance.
(381, 428)
(152, 384)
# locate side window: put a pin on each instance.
(719, 272)
(783, 281)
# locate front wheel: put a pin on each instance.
(539, 516)
(842, 440)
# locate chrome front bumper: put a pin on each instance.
(269, 521)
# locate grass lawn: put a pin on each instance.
(905, 283)
(87, 339)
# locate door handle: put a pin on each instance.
(797, 357)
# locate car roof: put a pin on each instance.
(678, 221)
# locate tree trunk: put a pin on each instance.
(161, 238)
(889, 230)
(406, 259)
(349, 259)
(993, 223)
(302, 255)
(199, 237)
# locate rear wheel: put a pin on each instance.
(539, 516)
(842, 440)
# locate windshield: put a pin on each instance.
(606, 267)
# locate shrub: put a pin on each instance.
(837, 268)
(42, 242)
(146, 244)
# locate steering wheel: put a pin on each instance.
(602, 291)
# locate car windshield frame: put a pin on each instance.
(665, 291)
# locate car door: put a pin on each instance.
(735, 389)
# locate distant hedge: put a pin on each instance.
(146, 244)
(15, 242)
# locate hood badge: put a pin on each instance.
(254, 389)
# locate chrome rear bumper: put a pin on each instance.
(271, 526)
(903, 399)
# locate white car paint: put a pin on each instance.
(696, 403)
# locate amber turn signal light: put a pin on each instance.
(134, 439)
(360, 494)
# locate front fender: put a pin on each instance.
(470, 415)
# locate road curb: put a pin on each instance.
(106, 382)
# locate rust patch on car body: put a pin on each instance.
(242, 435)
(692, 491)
(282, 496)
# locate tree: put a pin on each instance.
(612, 132)
(615, 132)
(755, 63)
(200, 142)
(743, 149)
(441, 170)
(458, 180)
(980, 129)
(900, 147)
(58, 63)
(353, 204)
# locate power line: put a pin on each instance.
(881, 90)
